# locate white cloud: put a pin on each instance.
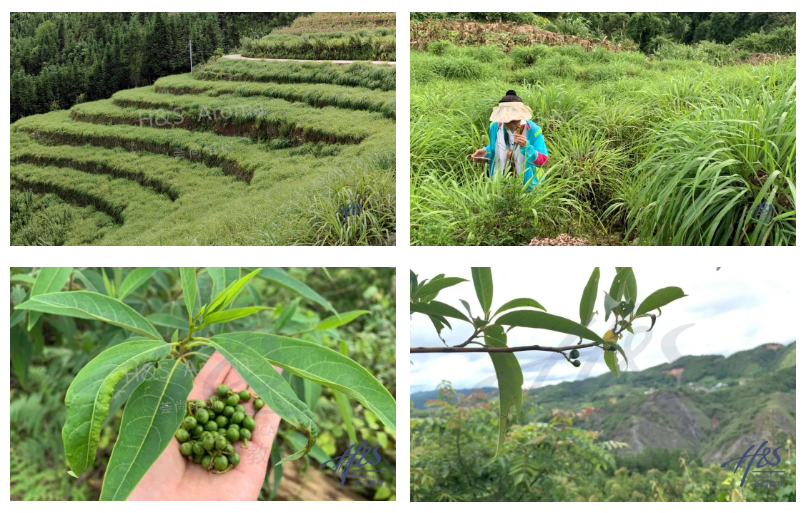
(731, 310)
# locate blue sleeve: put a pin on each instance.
(491, 147)
(540, 144)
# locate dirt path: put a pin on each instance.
(339, 63)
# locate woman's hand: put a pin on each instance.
(479, 154)
(520, 140)
(174, 477)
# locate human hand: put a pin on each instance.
(479, 154)
(520, 140)
(174, 477)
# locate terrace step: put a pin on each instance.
(337, 63)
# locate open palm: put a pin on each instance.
(174, 477)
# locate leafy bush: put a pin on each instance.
(152, 298)
(780, 40)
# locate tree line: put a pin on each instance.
(60, 59)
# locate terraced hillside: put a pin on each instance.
(243, 153)
(367, 36)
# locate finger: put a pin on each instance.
(212, 374)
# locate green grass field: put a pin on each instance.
(329, 36)
(243, 153)
(642, 150)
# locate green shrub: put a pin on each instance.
(780, 40)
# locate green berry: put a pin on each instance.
(258, 403)
(233, 434)
(186, 449)
(249, 423)
(218, 406)
(246, 434)
(202, 416)
(574, 354)
(197, 458)
(222, 431)
(233, 400)
(207, 435)
(189, 423)
(240, 408)
(229, 448)
(576, 363)
(182, 435)
(228, 411)
(220, 462)
(201, 403)
(237, 417)
(197, 431)
(245, 395)
(234, 458)
(206, 460)
(208, 443)
(221, 421)
(222, 390)
(211, 426)
(198, 448)
(220, 443)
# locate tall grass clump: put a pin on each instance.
(705, 175)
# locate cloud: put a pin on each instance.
(724, 312)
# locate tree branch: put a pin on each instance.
(499, 349)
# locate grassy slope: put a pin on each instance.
(612, 122)
(274, 183)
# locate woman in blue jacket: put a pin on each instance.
(516, 143)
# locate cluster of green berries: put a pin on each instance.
(574, 358)
(211, 427)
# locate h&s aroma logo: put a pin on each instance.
(762, 452)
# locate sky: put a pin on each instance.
(725, 311)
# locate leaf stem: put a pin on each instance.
(459, 349)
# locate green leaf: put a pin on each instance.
(88, 397)
(168, 321)
(230, 315)
(134, 280)
(629, 283)
(519, 303)
(510, 381)
(609, 304)
(322, 365)
(588, 301)
(49, 279)
(285, 315)
(611, 360)
(437, 308)
(228, 295)
(90, 279)
(278, 276)
(91, 305)
(276, 470)
(297, 443)
(483, 282)
(269, 385)
(21, 354)
(153, 414)
(188, 277)
(467, 307)
(222, 278)
(659, 298)
(412, 283)
(346, 413)
(435, 285)
(110, 289)
(546, 321)
(334, 321)
(23, 278)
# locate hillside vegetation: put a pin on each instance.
(329, 36)
(242, 153)
(643, 437)
(674, 148)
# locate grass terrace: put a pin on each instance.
(237, 155)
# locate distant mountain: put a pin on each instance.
(712, 406)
